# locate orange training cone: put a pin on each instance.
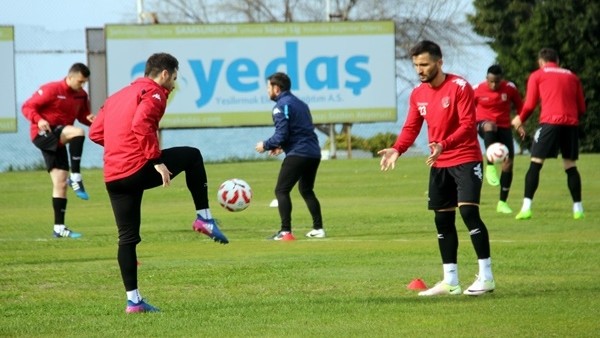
(417, 284)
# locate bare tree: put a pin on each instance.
(259, 10)
(439, 20)
(442, 21)
(180, 11)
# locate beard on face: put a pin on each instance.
(431, 76)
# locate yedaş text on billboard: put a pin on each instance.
(345, 71)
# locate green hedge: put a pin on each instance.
(371, 144)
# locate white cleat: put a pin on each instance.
(480, 286)
(316, 233)
(442, 289)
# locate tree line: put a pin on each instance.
(518, 29)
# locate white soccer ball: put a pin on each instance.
(234, 194)
(496, 152)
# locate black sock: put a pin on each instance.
(60, 208)
(505, 182)
(447, 236)
(75, 151)
(532, 179)
(489, 137)
(477, 230)
(574, 183)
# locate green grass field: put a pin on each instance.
(351, 284)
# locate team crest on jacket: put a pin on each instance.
(504, 97)
(446, 101)
(422, 107)
(156, 96)
(276, 111)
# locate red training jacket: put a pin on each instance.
(561, 96)
(495, 105)
(449, 110)
(127, 127)
(58, 104)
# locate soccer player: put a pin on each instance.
(562, 105)
(295, 135)
(127, 127)
(52, 111)
(445, 101)
(494, 99)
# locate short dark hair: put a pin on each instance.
(426, 46)
(158, 62)
(495, 70)
(548, 55)
(80, 68)
(280, 80)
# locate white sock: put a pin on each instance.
(58, 228)
(204, 213)
(134, 296)
(526, 204)
(76, 177)
(451, 274)
(577, 207)
(485, 269)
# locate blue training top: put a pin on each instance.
(294, 129)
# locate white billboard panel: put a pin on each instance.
(8, 112)
(345, 71)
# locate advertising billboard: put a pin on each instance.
(8, 112)
(345, 71)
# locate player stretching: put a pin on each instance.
(127, 127)
(52, 111)
(445, 101)
(493, 99)
(561, 96)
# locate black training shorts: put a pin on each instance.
(449, 186)
(549, 138)
(55, 154)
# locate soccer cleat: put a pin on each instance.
(78, 188)
(578, 215)
(523, 214)
(140, 307)
(316, 233)
(66, 233)
(480, 286)
(209, 228)
(283, 236)
(491, 175)
(503, 208)
(441, 289)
